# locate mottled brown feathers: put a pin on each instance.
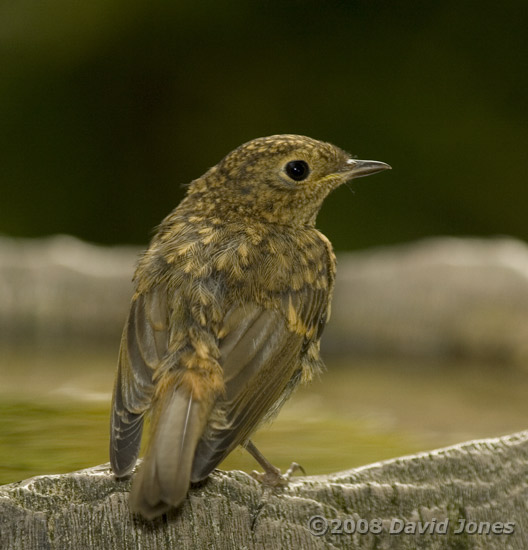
(230, 303)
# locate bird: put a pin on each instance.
(230, 302)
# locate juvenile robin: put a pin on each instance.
(231, 299)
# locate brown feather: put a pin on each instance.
(231, 300)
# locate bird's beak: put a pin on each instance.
(358, 168)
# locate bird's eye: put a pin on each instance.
(297, 170)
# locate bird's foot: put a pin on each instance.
(272, 477)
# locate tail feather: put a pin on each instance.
(164, 477)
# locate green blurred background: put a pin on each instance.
(107, 107)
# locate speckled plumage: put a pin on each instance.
(230, 303)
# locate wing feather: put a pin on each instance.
(143, 344)
(258, 364)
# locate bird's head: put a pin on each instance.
(280, 179)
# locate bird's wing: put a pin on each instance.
(261, 356)
(143, 345)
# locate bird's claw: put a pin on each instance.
(274, 478)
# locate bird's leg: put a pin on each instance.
(272, 476)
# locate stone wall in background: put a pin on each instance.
(60, 291)
(442, 297)
(437, 298)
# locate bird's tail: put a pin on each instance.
(163, 479)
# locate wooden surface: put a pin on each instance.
(482, 482)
